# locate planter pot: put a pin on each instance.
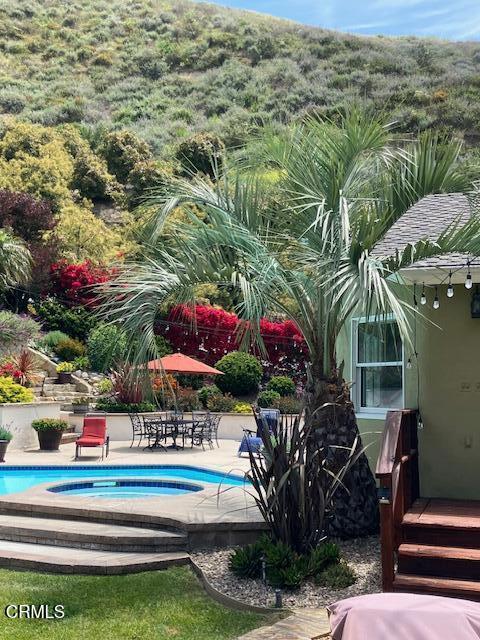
(3, 449)
(64, 377)
(80, 408)
(49, 440)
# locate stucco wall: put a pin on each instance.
(448, 395)
(18, 419)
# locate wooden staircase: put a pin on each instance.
(428, 545)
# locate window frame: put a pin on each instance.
(371, 412)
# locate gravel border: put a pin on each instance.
(362, 555)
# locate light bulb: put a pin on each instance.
(468, 281)
(450, 290)
(436, 303)
(423, 298)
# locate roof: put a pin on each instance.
(428, 218)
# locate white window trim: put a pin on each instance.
(370, 413)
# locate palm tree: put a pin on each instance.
(15, 260)
(304, 251)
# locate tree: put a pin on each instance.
(342, 188)
(15, 260)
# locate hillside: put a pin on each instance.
(166, 69)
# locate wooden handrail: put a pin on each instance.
(397, 473)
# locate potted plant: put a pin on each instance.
(5, 437)
(49, 431)
(81, 405)
(64, 370)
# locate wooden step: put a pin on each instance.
(450, 523)
(468, 589)
(88, 535)
(439, 561)
(19, 555)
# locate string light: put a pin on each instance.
(436, 301)
(450, 291)
(468, 279)
(423, 297)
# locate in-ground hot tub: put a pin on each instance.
(125, 488)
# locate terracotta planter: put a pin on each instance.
(49, 440)
(64, 377)
(3, 449)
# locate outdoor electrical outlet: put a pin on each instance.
(477, 385)
(465, 386)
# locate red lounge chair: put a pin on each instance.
(94, 434)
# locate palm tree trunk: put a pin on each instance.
(329, 410)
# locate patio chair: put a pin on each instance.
(199, 420)
(210, 433)
(155, 430)
(94, 434)
(268, 417)
(138, 428)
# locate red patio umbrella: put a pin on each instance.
(180, 363)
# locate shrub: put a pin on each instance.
(81, 363)
(65, 367)
(69, 349)
(283, 385)
(105, 386)
(242, 373)
(246, 562)
(111, 406)
(74, 281)
(123, 150)
(50, 424)
(289, 405)
(221, 403)
(106, 345)
(323, 556)
(242, 407)
(5, 434)
(11, 391)
(336, 576)
(52, 338)
(26, 367)
(76, 321)
(201, 152)
(16, 331)
(206, 392)
(187, 400)
(268, 399)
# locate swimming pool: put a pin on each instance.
(19, 478)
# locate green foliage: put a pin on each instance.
(336, 576)
(242, 373)
(206, 392)
(81, 363)
(77, 322)
(52, 338)
(246, 562)
(123, 150)
(220, 403)
(65, 367)
(187, 400)
(268, 399)
(10, 391)
(5, 434)
(105, 386)
(323, 557)
(16, 331)
(111, 406)
(106, 345)
(163, 346)
(242, 407)
(69, 349)
(289, 405)
(201, 152)
(283, 385)
(50, 424)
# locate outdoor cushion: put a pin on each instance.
(90, 441)
(404, 616)
(250, 443)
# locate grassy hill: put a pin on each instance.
(167, 69)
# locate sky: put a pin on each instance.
(451, 19)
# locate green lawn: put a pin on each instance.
(146, 606)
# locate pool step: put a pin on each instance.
(88, 535)
(53, 559)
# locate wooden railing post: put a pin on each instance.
(397, 473)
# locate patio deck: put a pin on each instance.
(35, 521)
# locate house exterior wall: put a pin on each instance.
(448, 395)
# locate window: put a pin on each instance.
(378, 365)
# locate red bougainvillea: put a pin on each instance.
(8, 369)
(73, 282)
(208, 333)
